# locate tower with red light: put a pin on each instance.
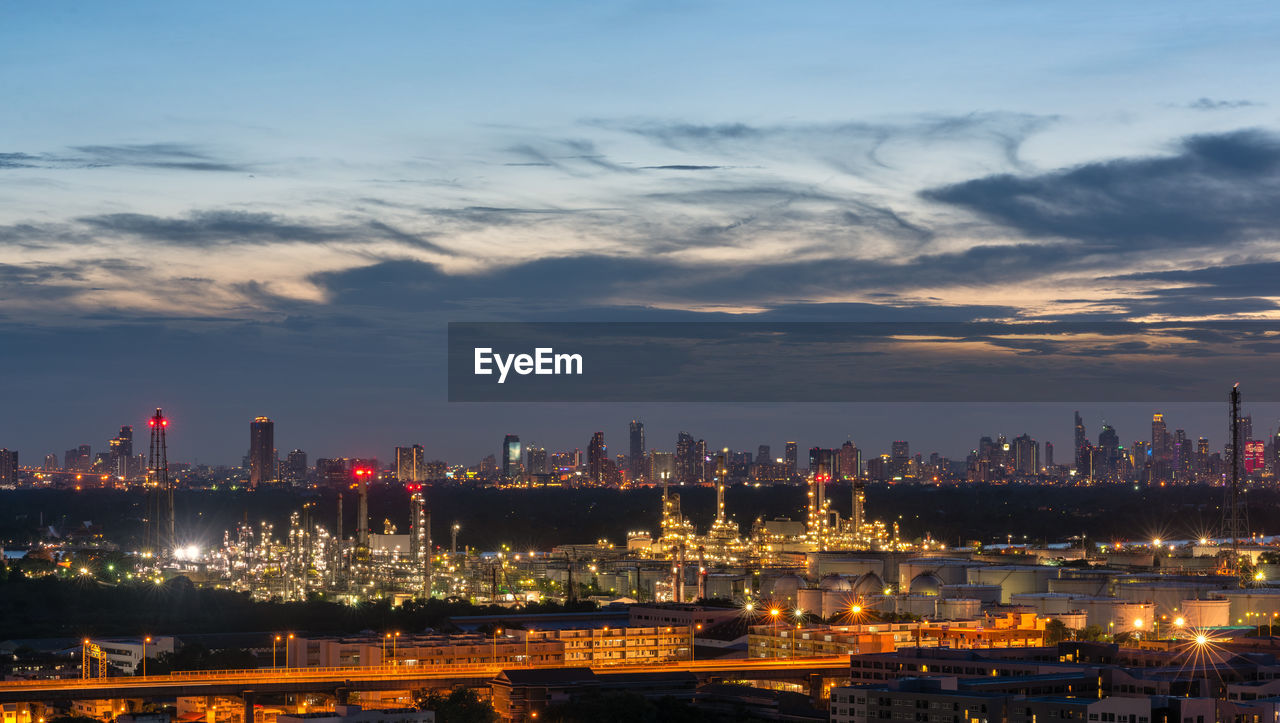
(161, 527)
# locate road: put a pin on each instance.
(404, 677)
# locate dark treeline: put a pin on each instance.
(38, 607)
(542, 518)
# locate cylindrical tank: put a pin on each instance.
(926, 583)
(949, 571)
(1205, 613)
(809, 600)
(1114, 615)
(984, 593)
(1257, 606)
(785, 587)
(1167, 596)
(1014, 579)
(958, 608)
(842, 563)
(868, 584)
(925, 606)
(832, 581)
(1045, 603)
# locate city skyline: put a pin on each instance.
(962, 431)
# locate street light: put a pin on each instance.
(496, 633)
(145, 640)
(774, 613)
(274, 642)
(286, 651)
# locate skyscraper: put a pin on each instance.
(848, 462)
(635, 460)
(596, 457)
(688, 465)
(537, 459)
(1109, 451)
(1026, 455)
(1082, 441)
(262, 451)
(762, 455)
(8, 467)
(121, 451)
(411, 464)
(790, 457)
(297, 467)
(512, 457)
(1161, 446)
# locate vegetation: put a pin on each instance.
(462, 705)
(53, 607)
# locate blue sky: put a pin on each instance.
(286, 201)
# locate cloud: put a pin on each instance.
(850, 146)
(168, 156)
(225, 228)
(680, 167)
(1214, 190)
(1211, 104)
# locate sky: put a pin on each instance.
(241, 209)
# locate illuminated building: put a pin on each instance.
(411, 464)
(537, 460)
(1255, 456)
(512, 458)
(636, 457)
(296, 467)
(790, 457)
(688, 465)
(121, 452)
(262, 451)
(597, 456)
(1026, 455)
(8, 467)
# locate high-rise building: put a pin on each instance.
(411, 464)
(537, 457)
(120, 452)
(848, 462)
(1161, 445)
(1255, 456)
(1082, 440)
(688, 464)
(1108, 452)
(762, 454)
(1048, 454)
(662, 467)
(50, 462)
(8, 467)
(1026, 455)
(636, 459)
(791, 456)
(512, 457)
(597, 455)
(296, 467)
(822, 464)
(262, 451)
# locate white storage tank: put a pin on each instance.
(1167, 596)
(1253, 607)
(925, 606)
(784, 589)
(1205, 613)
(809, 600)
(1014, 579)
(957, 608)
(1114, 615)
(984, 593)
(1095, 586)
(1046, 604)
(842, 563)
(948, 571)
(839, 604)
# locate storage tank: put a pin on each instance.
(984, 593)
(1014, 579)
(926, 583)
(809, 600)
(842, 563)
(868, 584)
(1252, 607)
(1046, 604)
(839, 603)
(1114, 615)
(832, 581)
(925, 606)
(1205, 613)
(958, 608)
(785, 587)
(1167, 596)
(1091, 586)
(948, 571)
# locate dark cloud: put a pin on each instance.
(1211, 104)
(1217, 189)
(849, 146)
(176, 156)
(681, 167)
(573, 156)
(171, 156)
(225, 228)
